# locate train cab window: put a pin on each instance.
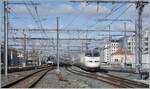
(116, 60)
(96, 54)
(96, 61)
(92, 54)
(89, 54)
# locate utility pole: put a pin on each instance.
(6, 35)
(68, 48)
(136, 46)
(125, 44)
(139, 7)
(58, 70)
(82, 46)
(40, 55)
(109, 46)
(86, 40)
(24, 51)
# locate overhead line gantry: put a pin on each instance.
(111, 1)
(69, 30)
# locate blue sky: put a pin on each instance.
(72, 16)
(77, 14)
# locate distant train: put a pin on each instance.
(50, 60)
(90, 60)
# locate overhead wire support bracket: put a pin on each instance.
(22, 3)
(109, 1)
(115, 20)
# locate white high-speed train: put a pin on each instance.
(90, 60)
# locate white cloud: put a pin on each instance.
(147, 10)
(46, 9)
(133, 12)
(58, 9)
(120, 26)
(18, 26)
(19, 9)
(93, 9)
(129, 26)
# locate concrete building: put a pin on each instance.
(122, 57)
(114, 45)
(146, 41)
(145, 45)
(110, 48)
(12, 56)
(130, 43)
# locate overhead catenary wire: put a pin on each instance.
(113, 8)
(118, 17)
(30, 12)
(76, 18)
(34, 18)
(72, 21)
(39, 21)
(113, 11)
(41, 26)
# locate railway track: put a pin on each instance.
(28, 81)
(111, 79)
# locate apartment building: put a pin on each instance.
(110, 48)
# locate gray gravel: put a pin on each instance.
(72, 81)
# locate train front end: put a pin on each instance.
(92, 62)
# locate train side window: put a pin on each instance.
(90, 61)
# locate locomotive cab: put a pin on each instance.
(92, 59)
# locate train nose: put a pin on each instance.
(92, 64)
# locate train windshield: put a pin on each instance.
(89, 54)
(96, 54)
(92, 54)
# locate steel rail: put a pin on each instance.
(113, 80)
(28, 81)
(130, 82)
